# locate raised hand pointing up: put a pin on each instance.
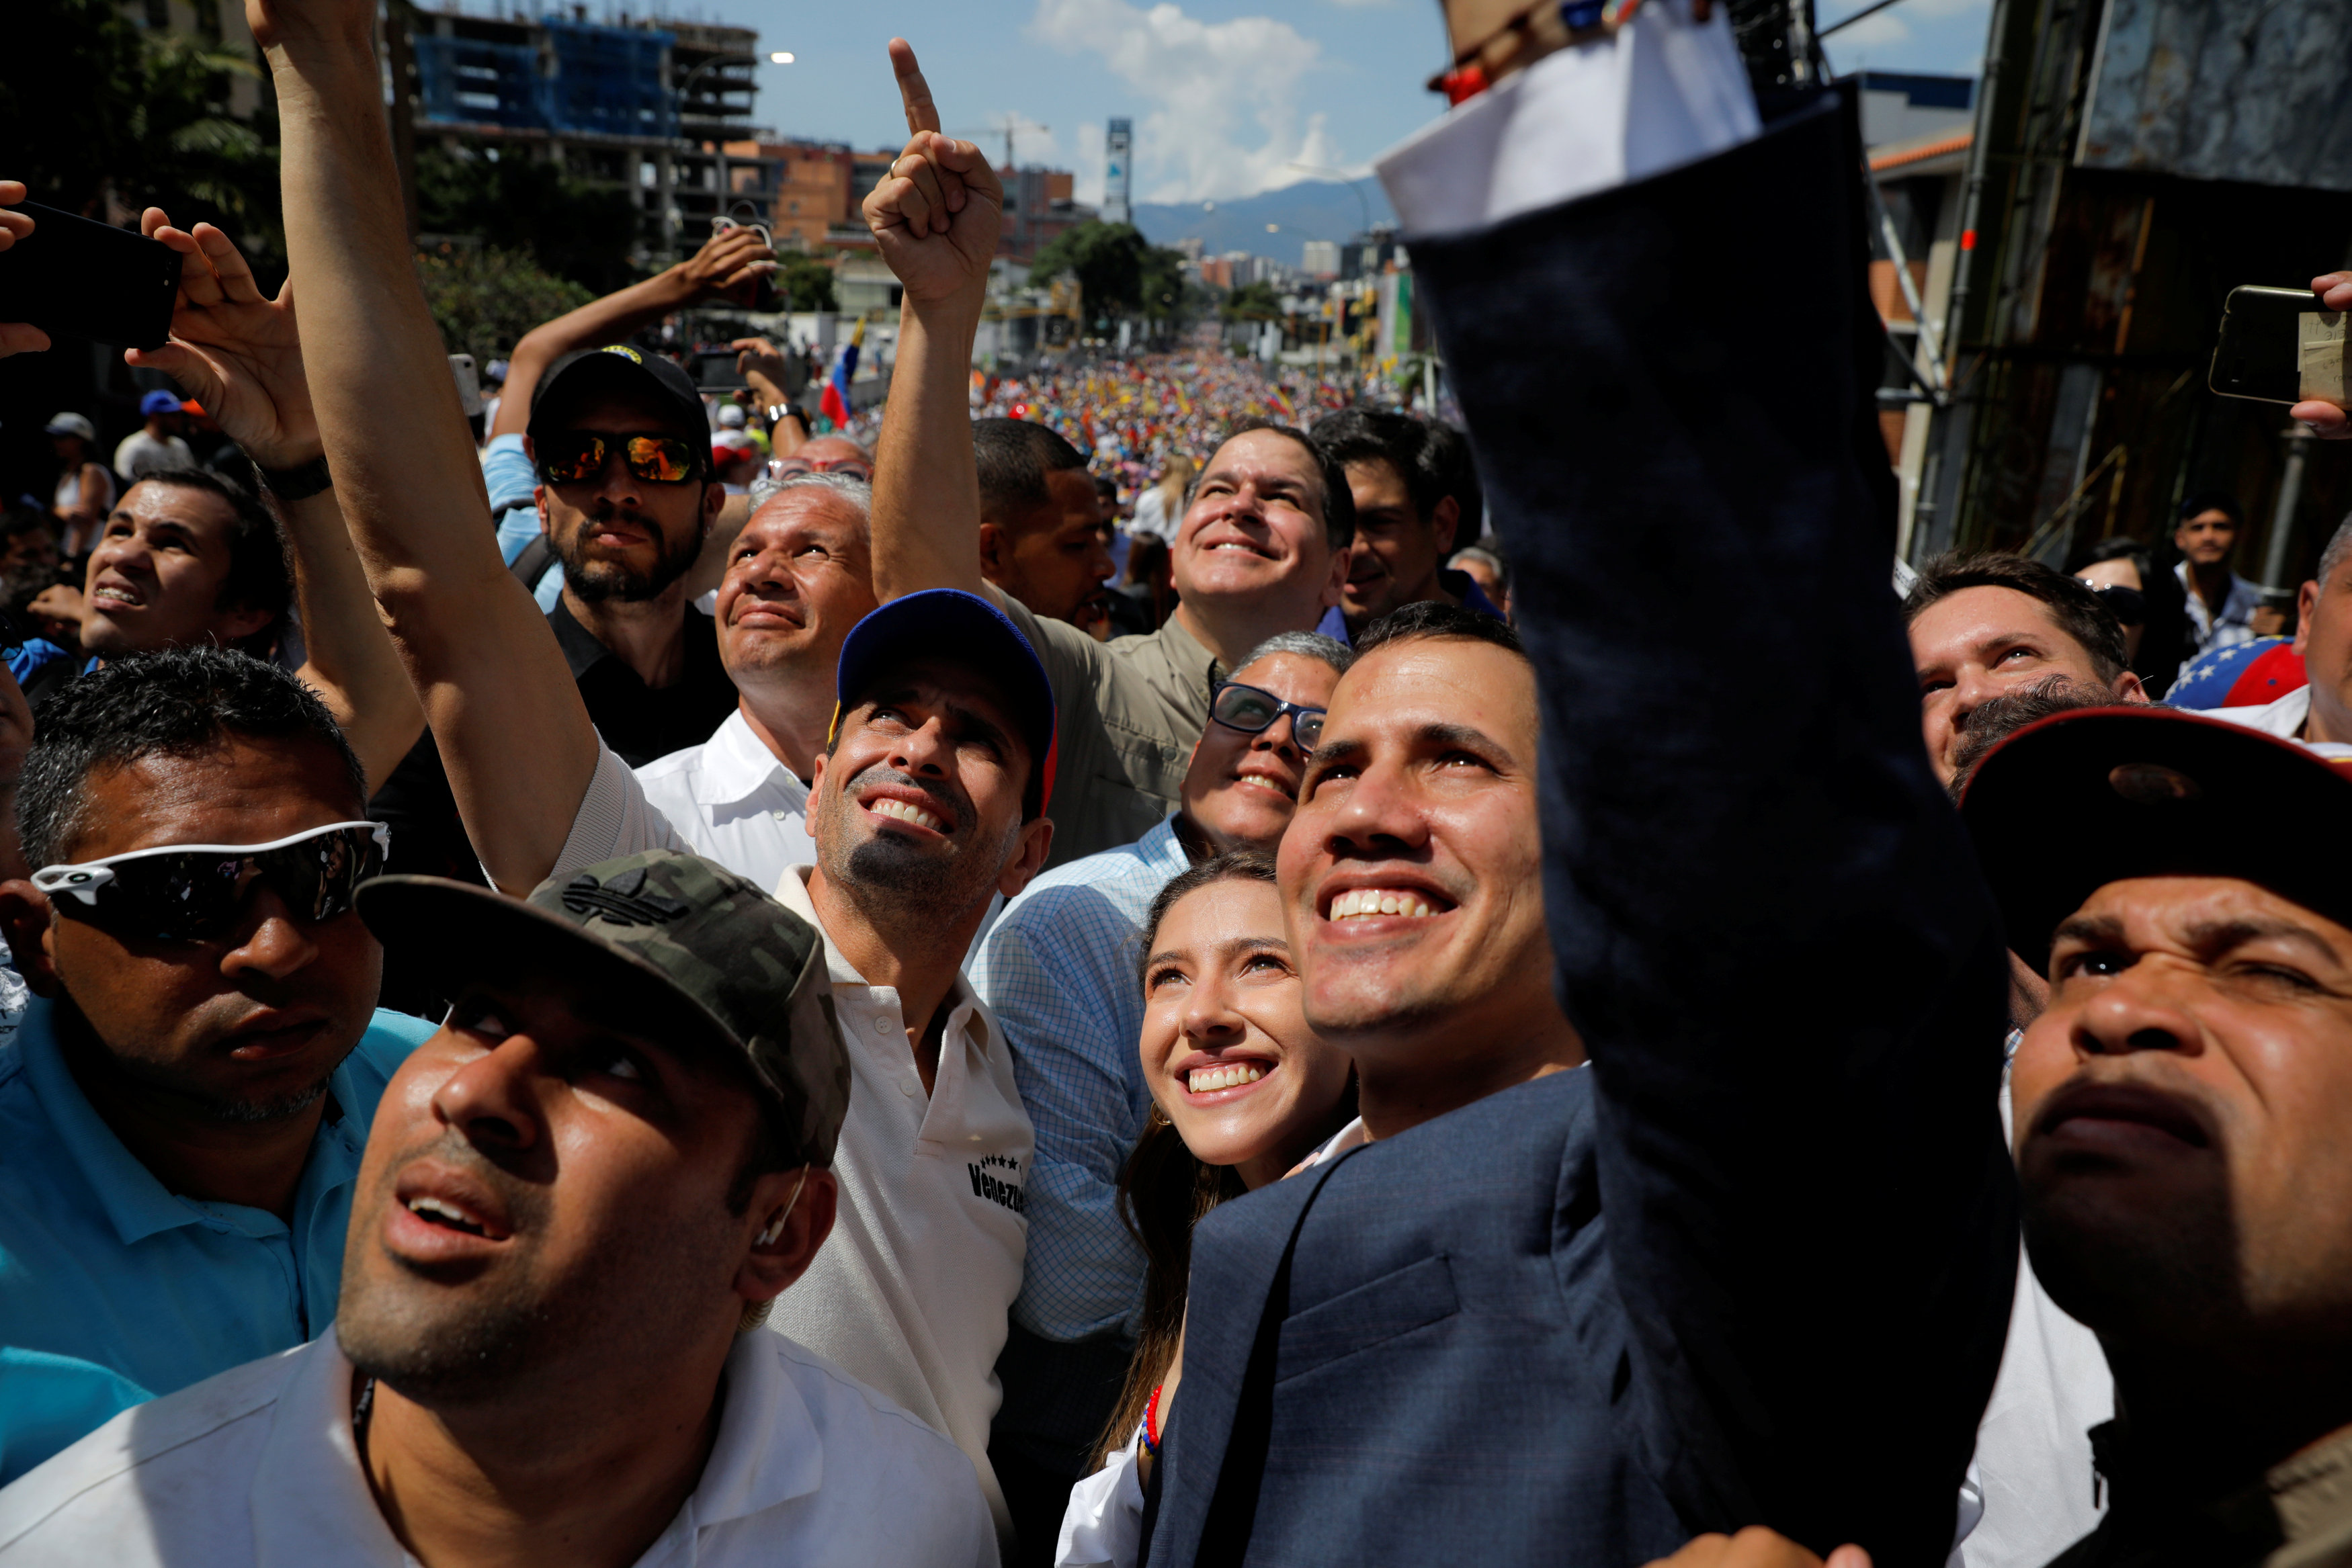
(936, 215)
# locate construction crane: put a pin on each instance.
(1006, 126)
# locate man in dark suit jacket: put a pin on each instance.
(1753, 1262)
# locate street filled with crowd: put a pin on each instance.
(1144, 959)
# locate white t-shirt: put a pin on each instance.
(140, 454)
(258, 1466)
(912, 1291)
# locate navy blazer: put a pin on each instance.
(1753, 1264)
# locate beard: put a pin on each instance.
(596, 580)
(228, 1110)
(885, 871)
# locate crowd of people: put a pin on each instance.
(609, 974)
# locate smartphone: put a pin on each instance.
(714, 370)
(88, 279)
(2280, 345)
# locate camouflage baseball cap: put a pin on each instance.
(666, 945)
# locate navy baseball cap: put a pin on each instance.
(2099, 795)
(619, 369)
(947, 622)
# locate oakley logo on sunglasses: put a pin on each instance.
(575, 456)
(194, 893)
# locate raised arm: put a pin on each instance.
(16, 337)
(935, 217)
(1766, 920)
(240, 353)
(726, 263)
(516, 740)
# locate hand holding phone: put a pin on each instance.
(2328, 420)
(232, 347)
(16, 337)
(68, 274)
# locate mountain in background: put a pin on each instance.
(1312, 209)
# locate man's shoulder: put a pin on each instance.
(856, 1421)
(212, 1431)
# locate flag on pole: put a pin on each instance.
(834, 401)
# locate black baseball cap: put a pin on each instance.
(621, 369)
(2099, 795)
(949, 623)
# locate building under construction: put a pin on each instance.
(2130, 162)
(626, 102)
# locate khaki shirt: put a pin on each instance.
(1130, 711)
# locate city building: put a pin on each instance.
(1039, 206)
(1320, 258)
(629, 103)
(1119, 175)
(1368, 254)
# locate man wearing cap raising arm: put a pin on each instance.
(928, 797)
(580, 1198)
(1262, 549)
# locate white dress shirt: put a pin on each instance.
(733, 802)
(258, 1466)
(912, 1291)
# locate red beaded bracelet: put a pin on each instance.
(1151, 1424)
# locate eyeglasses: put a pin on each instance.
(192, 892)
(572, 456)
(2128, 605)
(1252, 711)
(795, 468)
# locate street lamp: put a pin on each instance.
(1355, 183)
(781, 57)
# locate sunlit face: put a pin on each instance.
(1412, 870)
(824, 454)
(1226, 1049)
(156, 573)
(620, 536)
(2324, 637)
(2118, 572)
(1241, 788)
(1396, 555)
(1254, 528)
(920, 796)
(798, 576)
(1984, 643)
(2180, 1111)
(545, 1178)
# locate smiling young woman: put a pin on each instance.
(1242, 1090)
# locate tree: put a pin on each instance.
(569, 227)
(484, 299)
(1253, 302)
(1107, 259)
(103, 108)
(804, 280)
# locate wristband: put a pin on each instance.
(297, 483)
(780, 412)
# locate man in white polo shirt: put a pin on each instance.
(543, 1355)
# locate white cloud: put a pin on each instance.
(1218, 115)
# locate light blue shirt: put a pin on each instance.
(122, 1290)
(507, 473)
(1058, 969)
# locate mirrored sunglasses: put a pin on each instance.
(195, 893)
(574, 456)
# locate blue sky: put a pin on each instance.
(1227, 95)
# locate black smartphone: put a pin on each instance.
(2280, 345)
(714, 370)
(89, 279)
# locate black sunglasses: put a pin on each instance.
(2128, 605)
(573, 457)
(1252, 711)
(193, 893)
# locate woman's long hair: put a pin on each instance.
(1165, 1189)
